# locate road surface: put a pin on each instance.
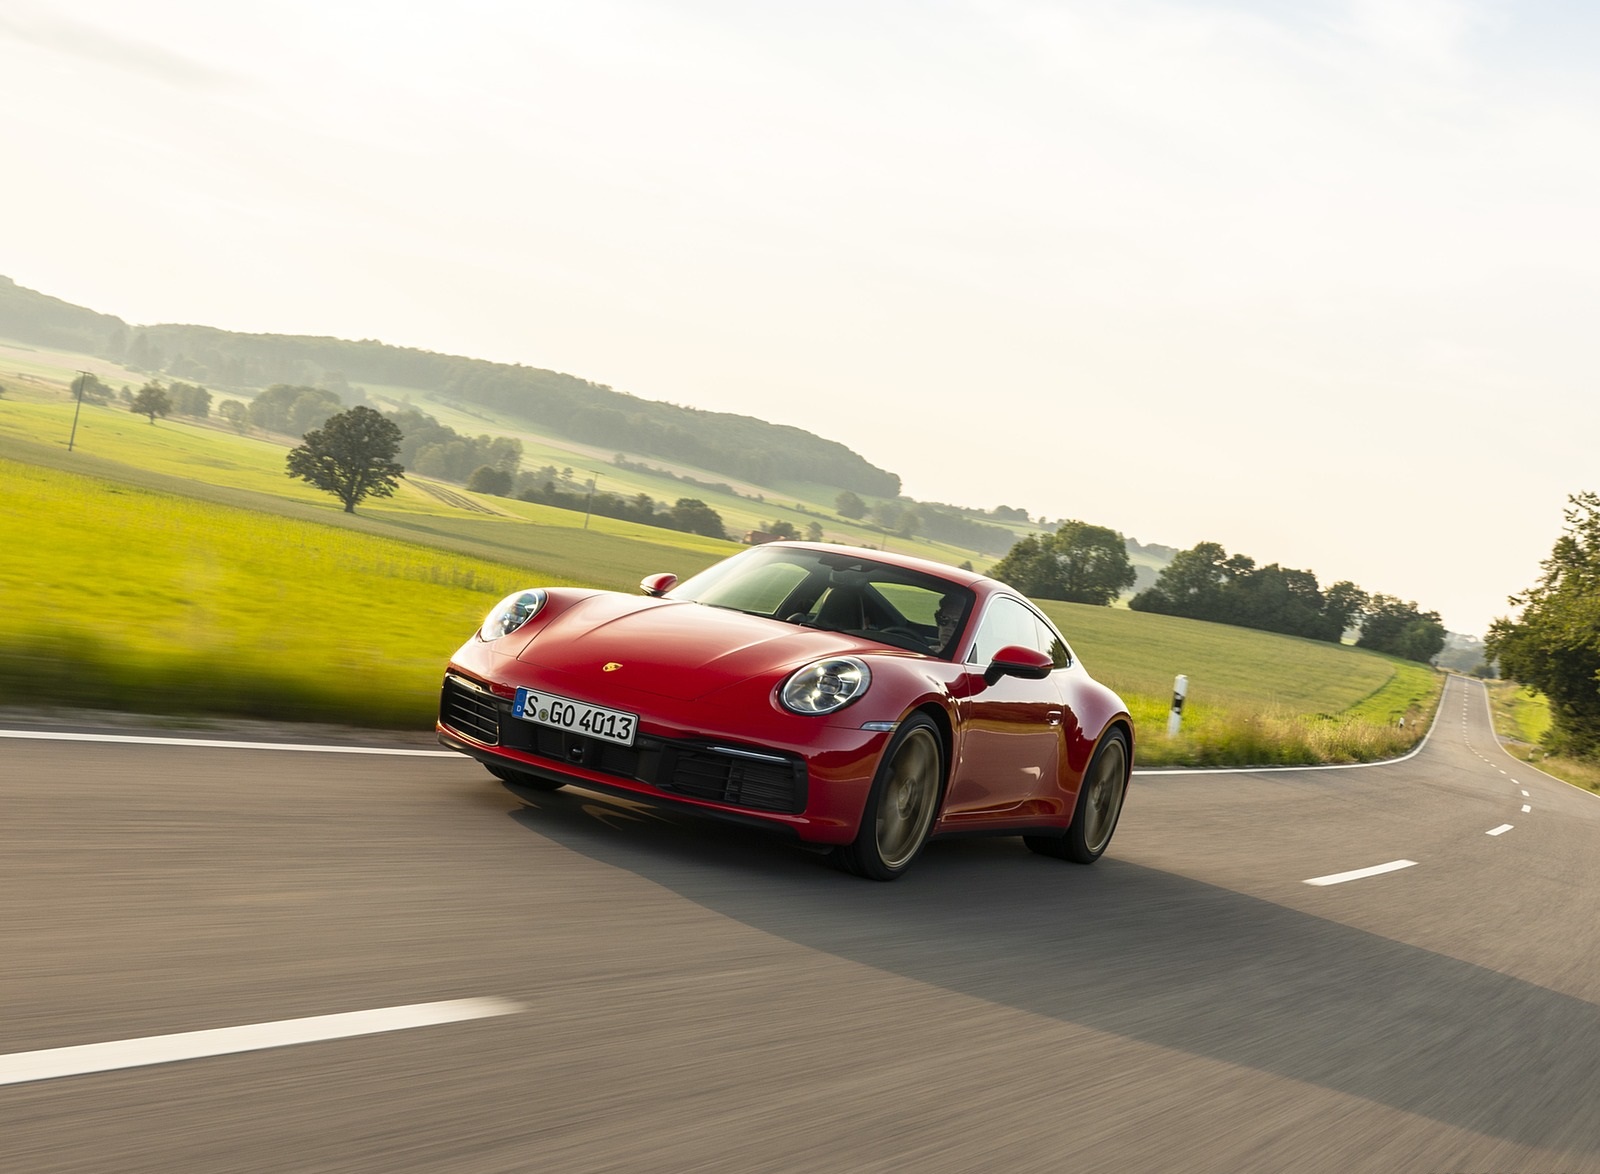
(354, 962)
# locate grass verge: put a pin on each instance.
(1521, 720)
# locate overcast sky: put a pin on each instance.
(1315, 281)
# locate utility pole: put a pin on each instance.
(83, 378)
(593, 477)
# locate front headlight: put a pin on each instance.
(511, 613)
(825, 686)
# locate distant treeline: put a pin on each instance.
(689, 514)
(564, 405)
(951, 524)
(1207, 583)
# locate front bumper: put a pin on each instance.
(815, 789)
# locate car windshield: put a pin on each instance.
(840, 592)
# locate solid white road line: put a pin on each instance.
(51, 1063)
(217, 743)
(1338, 878)
(1499, 831)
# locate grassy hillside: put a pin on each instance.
(1253, 697)
(40, 380)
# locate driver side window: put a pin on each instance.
(1006, 622)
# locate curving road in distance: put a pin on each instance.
(269, 959)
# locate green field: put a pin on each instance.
(174, 568)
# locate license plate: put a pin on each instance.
(609, 725)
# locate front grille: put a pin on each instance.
(473, 711)
(759, 780)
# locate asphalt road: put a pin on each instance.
(692, 997)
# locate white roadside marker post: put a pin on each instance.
(1180, 690)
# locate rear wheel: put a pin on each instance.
(527, 782)
(1099, 804)
(902, 804)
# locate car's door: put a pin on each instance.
(1007, 754)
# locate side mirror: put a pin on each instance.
(658, 584)
(1014, 660)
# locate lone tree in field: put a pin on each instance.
(151, 400)
(351, 457)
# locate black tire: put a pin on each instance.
(902, 805)
(527, 782)
(1094, 818)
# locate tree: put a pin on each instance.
(693, 516)
(1207, 583)
(93, 391)
(1343, 605)
(189, 399)
(504, 452)
(813, 531)
(1079, 563)
(1555, 646)
(850, 505)
(1398, 628)
(1190, 585)
(151, 400)
(292, 409)
(351, 457)
(487, 479)
(234, 413)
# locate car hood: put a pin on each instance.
(674, 648)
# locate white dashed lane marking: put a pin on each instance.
(218, 744)
(53, 1063)
(1338, 878)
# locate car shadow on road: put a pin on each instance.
(1148, 955)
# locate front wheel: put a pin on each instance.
(1100, 797)
(902, 804)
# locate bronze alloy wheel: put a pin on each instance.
(910, 794)
(1100, 795)
(902, 805)
(1105, 786)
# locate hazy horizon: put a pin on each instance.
(1312, 285)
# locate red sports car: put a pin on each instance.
(844, 697)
